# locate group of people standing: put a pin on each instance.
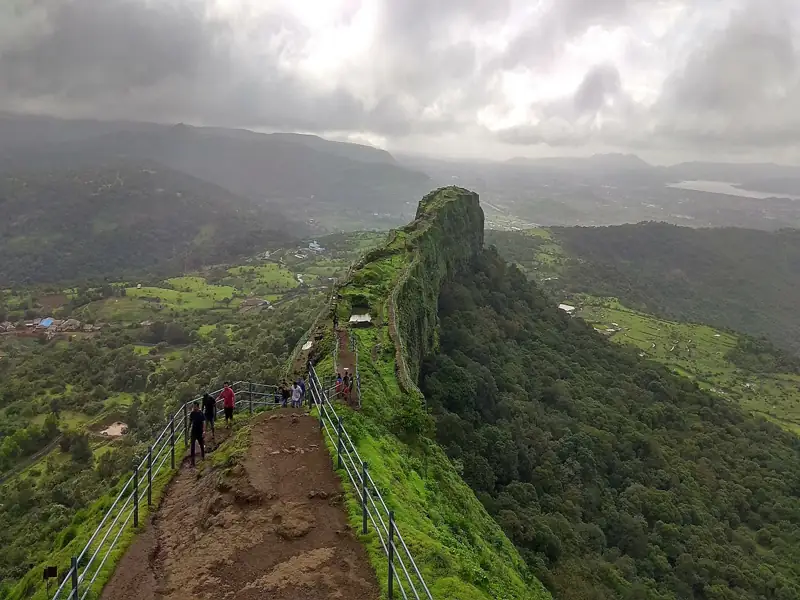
(344, 385)
(201, 420)
(295, 393)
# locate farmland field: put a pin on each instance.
(701, 353)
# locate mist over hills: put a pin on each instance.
(122, 218)
(340, 185)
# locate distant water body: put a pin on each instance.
(724, 187)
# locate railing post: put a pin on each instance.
(391, 554)
(339, 444)
(172, 441)
(364, 497)
(136, 497)
(150, 476)
(251, 398)
(185, 426)
(74, 593)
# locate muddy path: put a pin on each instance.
(273, 526)
(346, 359)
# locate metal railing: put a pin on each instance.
(408, 577)
(356, 376)
(87, 566)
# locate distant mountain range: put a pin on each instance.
(762, 174)
(616, 162)
(338, 185)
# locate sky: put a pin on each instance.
(669, 80)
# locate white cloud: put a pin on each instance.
(494, 77)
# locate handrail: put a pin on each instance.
(409, 581)
(139, 486)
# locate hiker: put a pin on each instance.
(302, 383)
(346, 387)
(295, 396)
(285, 393)
(278, 394)
(228, 402)
(210, 412)
(338, 385)
(197, 421)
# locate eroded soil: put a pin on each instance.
(273, 527)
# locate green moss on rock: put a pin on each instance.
(461, 550)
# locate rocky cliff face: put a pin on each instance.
(462, 552)
(446, 234)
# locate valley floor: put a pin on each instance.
(272, 526)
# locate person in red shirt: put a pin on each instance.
(228, 402)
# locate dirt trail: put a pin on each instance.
(273, 527)
(347, 360)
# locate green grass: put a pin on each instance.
(265, 278)
(699, 352)
(67, 418)
(201, 288)
(206, 298)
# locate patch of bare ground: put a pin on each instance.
(273, 526)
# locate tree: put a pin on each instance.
(81, 450)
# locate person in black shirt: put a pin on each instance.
(210, 412)
(197, 421)
(286, 393)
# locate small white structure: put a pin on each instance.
(117, 429)
(566, 308)
(307, 345)
(361, 320)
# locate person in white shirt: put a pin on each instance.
(295, 395)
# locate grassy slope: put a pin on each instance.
(699, 352)
(462, 552)
(693, 350)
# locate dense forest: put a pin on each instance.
(740, 279)
(614, 478)
(124, 219)
(44, 385)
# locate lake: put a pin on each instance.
(725, 187)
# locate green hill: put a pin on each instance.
(340, 186)
(613, 477)
(740, 279)
(461, 551)
(124, 218)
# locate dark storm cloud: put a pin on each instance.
(169, 60)
(562, 20)
(742, 86)
(600, 84)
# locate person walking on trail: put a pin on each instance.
(295, 396)
(197, 421)
(346, 383)
(286, 393)
(210, 412)
(228, 402)
(302, 383)
(338, 385)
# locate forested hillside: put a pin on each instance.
(341, 186)
(741, 279)
(124, 218)
(614, 478)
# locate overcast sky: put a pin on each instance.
(667, 79)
